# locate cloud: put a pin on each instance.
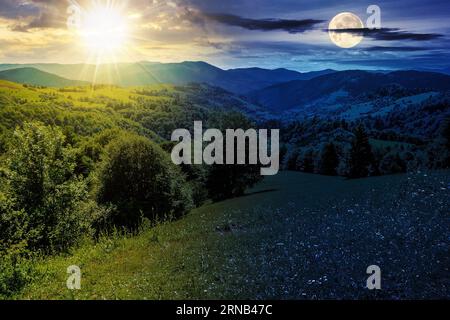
(428, 60)
(34, 14)
(396, 49)
(13, 9)
(389, 34)
(46, 20)
(291, 26)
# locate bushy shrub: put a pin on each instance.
(197, 176)
(44, 194)
(13, 226)
(15, 266)
(392, 164)
(15, 272)
(138, 177)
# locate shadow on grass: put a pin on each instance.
(257, 192)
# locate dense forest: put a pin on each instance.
(403, 140)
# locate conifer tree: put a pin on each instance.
(329, 161)
(361, 156)
(446, 136)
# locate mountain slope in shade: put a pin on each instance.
(238, 81)
(260, 78)
(37, 77)
(343, 87)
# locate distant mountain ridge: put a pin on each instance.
(268, 87)
(238, 81)
(343, 86)
(33, 76)
(278, 93)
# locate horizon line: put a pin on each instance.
(215, 66)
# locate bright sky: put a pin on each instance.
(231, 33)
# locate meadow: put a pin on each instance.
(294, 236)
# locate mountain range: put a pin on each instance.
(281, 93)
(344, 87)
(237, 81)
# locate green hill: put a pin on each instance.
(33, 76)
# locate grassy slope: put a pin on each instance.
(37, 77)
(294, 236)
(81, 94)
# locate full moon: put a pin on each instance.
(345, 20)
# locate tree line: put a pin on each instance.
(363, 160)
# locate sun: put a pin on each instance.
(104, 30)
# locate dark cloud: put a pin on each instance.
(429, 60)
(36, 13)
(14, 9)
(45, 20)
(291, 26)
(389, 34)
(293, 48)
(396, 49)
(305, 56)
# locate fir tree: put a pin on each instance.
(329, 161)
(446, 136)
(361, 156)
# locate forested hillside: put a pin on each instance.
(78, 162)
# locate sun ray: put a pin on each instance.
(107, 35)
